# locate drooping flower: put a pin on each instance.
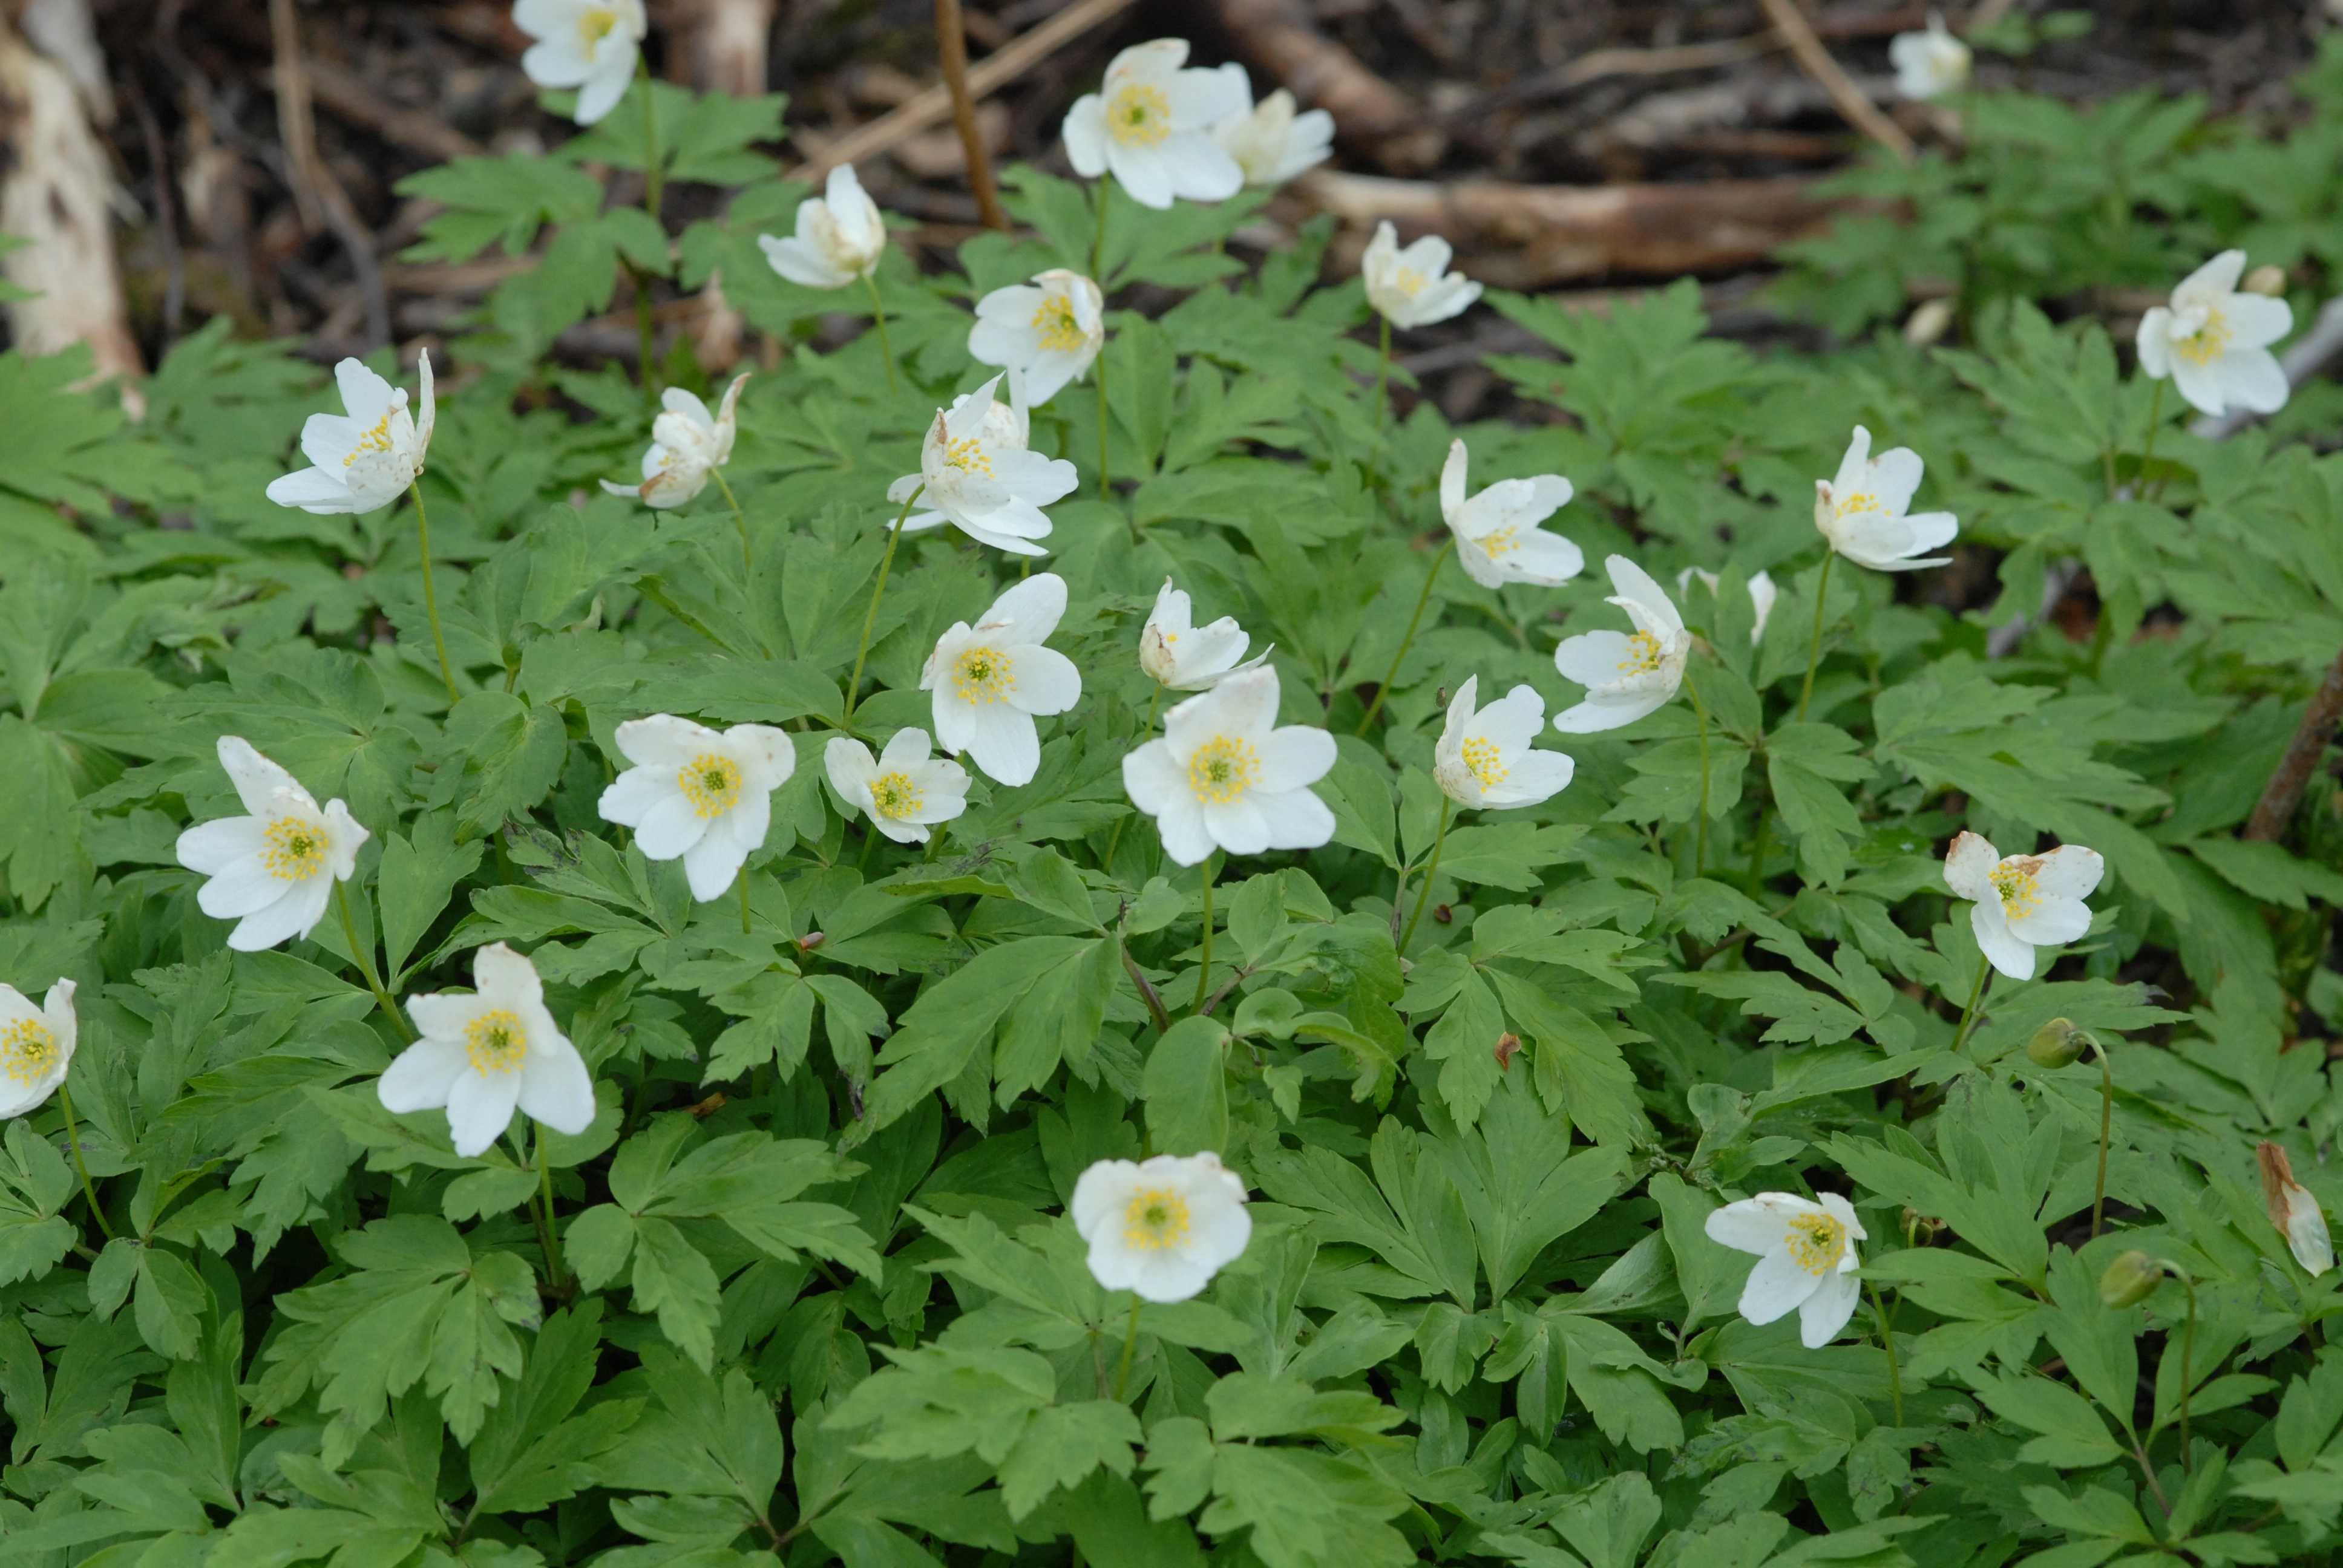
(1498, 540)
(2130, 1280)
(1049, 330)
(903, 790)
(364, 459)
(2292, 1210)
(686, 446)
(1190, 658)
(36, 1046)
(839, 238)
(992, 679)
(1223, 776)
(1761, 595)
(1414, 287)
(1271, 142)
(484, 1053)
(1861, 512)
(1160, 1228)
(1626, 677)
(2214, 341)
(272, 871)
(2023, 901)
(700, 795)
(1806, 1260)
(1928, 64)
(1150, 125)
(1484, 759)
(589, 45)
(980, 476)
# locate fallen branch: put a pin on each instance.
(721, 44)
(1817, 61)
(318, 196)
(346, 94)
(952, 54)
(1598, 63)
(2283, 794)
(1282, 38)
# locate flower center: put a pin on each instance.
(27, 1051)
(711, 783)
(374, 440)
(2021, 894)
(1222, 769)
(968, 456)
(2208, 342)
(1859, 501)
(1486, 760)
(1502, 541)
(294, 850)
(1140, 116)
(1157, 1218)
(893, 795)
(1060, 333)
(496, 1043)
(1643, 654)
(595, 26)
(1409, 281)
(982, 676)
(1816, 1243)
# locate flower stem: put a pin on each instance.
(1968, 1013)
(1130, 1343)
(1382, 396)
(359, 950)
(871, 616)
(1106, 476)
(1204, 971)
(2155, 423)
(1700, 828)
(746, 930)
(1430, 869)
(1814, 649)
(1408, 640)
(1106, 862)
(555, 1276)
(879, 320)
(739, 521)
(2187, 1364)
(2106, 1125)
(1887, 1339)
(1097, 238)
(73, 1141)
(430, 592)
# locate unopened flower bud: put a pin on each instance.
(2130, 1280)
(1928, 323)
(2268, 280)
(2058, 1043)
(2294, 1212)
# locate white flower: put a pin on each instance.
(980, 476)
(1190, 658)
(2214, 341)
(365, 457)
(840, 235)
(686, 446)
(273, 870)
(1806, 1260)
(1414, 287)
(1761, 595)
(1149, 123)
(1270, 141)
(1223, 777)
(589, 45)
(482, 1055)
(1160, 1229)
(703, 795)
(1931, 63)
(1626, 677)
(1049, 330)
(1484, 759)
(2292, 1210)
(1861, 512)
(2023, 901)
(992, 679)
(36, 1046)
(901, 792)
(1498, 540)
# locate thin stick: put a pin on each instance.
(1430, 869)
(1408, 640)
(748, 565)
(870, 616)
(952, 54)
(1814, 649)
(1204, 971)
(2283, 794)
(431, 593)
(1970, 1012)
(879, 320)
(359, 950)
(73, 1141)
(1816, 60)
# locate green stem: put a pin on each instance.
(879, 320)
(1106, 862)
(1204, 971)
(2155, 422)
(73, 1141)
(2187, 1364)
(1382, 394)
(547, 1234)
(1814, 649)
(1757, 847)
(1430, 869)
(746, 929)
(1408, 640)
(1968, 1013)
(2107, 1126)
(1106, 476)
(748, 565)
(654, 176)
(1700, 828)
(430, 592)
(1887, 1339)
(870, 616)
(1098, 236)
(1130, 1343)
(359, 950)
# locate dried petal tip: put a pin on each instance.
(2265, 280)
(2058, 1043)
(2130, 1280)
(2294, 1212)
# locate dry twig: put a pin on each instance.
(1860, 111)
(952, 54)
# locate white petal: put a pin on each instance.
(1969, 866)
(419, 1076)
(480, 1109)
(295, 914)
(1824, 1313)
(2000, 946)
(1776, 1287)
(556, 1089)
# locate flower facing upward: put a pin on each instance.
(1761, 595)
(700, 795)
(272, 871)
(365, 457)
(1931, 63)
(839, 237)
(1806, 1260)
(1414, 287)
(1223, 777)
(589, 45)
(1149, 124)
(1498, 540)
(1050, 330)
(1162, 1228)
(2214, 341)
(1626, 677)
(2292, 1210)
(2023, 901)
(1861, 512)
(482, 1055)
(903, 790)
(1271, 142)
(980, 476)
(1190, 658)
(686, 446)
(36, 1046)
(992, 679)
(1484, 759)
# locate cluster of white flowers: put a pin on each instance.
(589, 45)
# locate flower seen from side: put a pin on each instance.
(1763, 592)
(36, 1046)
(977, 474)
(1150, 126)
(698, 795)
(2293, 1210)
(485, 1053)
(1270, 141)
(688, 444)
(1861, 512)
(1498, 541)
(1050, 330)
(1484, 759)
(902, 791)
(589, 45)
(2020, 902)
(363, 458)
(1626, 675)
(840, 235)
(1414, 287)
(1160, 1228)
(272, 871)
(1931, 63)
(1806, 1260)
(1189, 658)
(2214, 341)
(1224, 776)
(992, 679)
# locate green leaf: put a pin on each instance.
(1186, 1088)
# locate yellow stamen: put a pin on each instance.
(1140, 116)
(496, 1043)
(894, 796)
(1816, 1243)
(1060, 333)
(1485, 761)
(983, 676)
(968, 456)
(294, 850)
(1409, 281)
(27, 1051)
(2013, 880)
(1157, 1218)
(1643, 654)
(596, 25)
(374, 440)
(2208, 342)
(711, 783)
(1502, 541)
(1222, 768)
(1859, 501)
